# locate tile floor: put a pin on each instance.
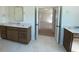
(42, 44)
(75, 45)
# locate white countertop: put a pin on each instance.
(15, 25)
(74, 29)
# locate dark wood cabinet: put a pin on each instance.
(22, 35)
(68, 38)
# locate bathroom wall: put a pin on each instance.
(29, 18)
(70, 16)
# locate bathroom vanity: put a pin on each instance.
(16, 32)
(68, 37)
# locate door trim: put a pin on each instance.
(60, 24)
(35, 22)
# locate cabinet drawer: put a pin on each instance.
(22, 29)
(11, 28)
(3, 29)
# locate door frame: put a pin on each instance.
(60, 23)
(36, 20)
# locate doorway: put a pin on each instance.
(47, 22)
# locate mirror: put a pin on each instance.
(15, 13)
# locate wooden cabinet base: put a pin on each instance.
(68, 39)
(22, 35)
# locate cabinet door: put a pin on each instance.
(12, 34)
(23, 36)
(3, 32)
(0, 30)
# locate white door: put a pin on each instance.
(58, 25)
